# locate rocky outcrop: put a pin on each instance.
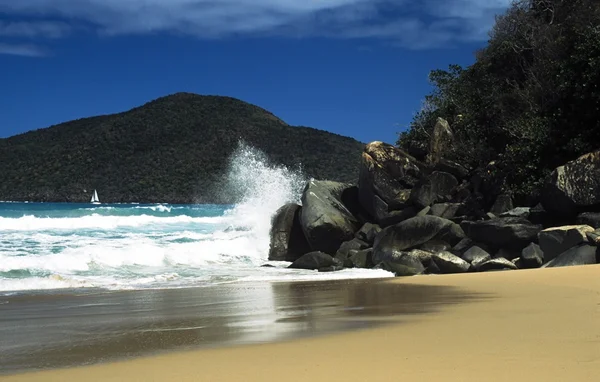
(554, 241)
(476, 256)
(532, 256)
(511, 233)
(497, 264)
(583, 254)
(401, 264)
(410, 218)
(325, 220)
(314, 260)
(574, 187)
(414, 232)
(450, 263)
(589, 218)
(368, 232)
(287, 239)
(436, 188)
(385, 171)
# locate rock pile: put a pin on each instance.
(411, 217)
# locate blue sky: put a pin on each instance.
(353, 67)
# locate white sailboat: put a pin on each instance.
(95, 199)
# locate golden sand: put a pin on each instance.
(541, 325)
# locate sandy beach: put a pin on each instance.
(537, 325)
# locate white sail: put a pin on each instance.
(95, 199)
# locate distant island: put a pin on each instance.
(174, 150)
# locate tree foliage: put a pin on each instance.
(531, 100)
(174, 149)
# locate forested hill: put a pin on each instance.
(175, 149)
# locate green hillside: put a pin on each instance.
(174, 149)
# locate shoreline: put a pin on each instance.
(539, 325)
(81, 327)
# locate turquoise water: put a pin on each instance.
(129, 246)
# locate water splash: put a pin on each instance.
(261, 187)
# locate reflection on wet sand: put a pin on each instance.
(77, 328)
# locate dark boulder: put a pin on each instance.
(583, 254)
(434, 246)
(314, 260)
(456, 169)
(510, 233)
(423, 256)
(435, 188)
(396, 217)
(519, 212)
(532, 256)
(508, 254)
(445, 210)
(502, 204)
(594, 237)
(287, 239)
(343, 253)
(554, 241)
(449, 263)
(384, 172)
(326, 221)
(476, 256)
(402, 264)
(589, 218)
(362, 258)
(462, 246)
(574, 187)
(497, 264)
(412, 233)
(368, 232)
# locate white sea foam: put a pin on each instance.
(100, 222)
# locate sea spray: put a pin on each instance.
(261, 187)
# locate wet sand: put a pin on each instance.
(538, 325)
(82, 327)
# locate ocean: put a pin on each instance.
(48, 246)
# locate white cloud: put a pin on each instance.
(410, 23)
(28, 50)
(31, 29)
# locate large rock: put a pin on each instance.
(476, 256)
(510, 233)
(325, 220)
(385, 171)
(502, 204)
(519, 212)
(362, 258)
(445, 210)
(583, 254)
(287, 239)
(315, 260)
(343, 253)
(456, 169)
(368, 232)
(449, 263)
(402, 264)
(441, 141)
(435, 188)
(574, 187)
(556, 240)
(532, 256)
(589, 218)
(412, 233)
(498, 264)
